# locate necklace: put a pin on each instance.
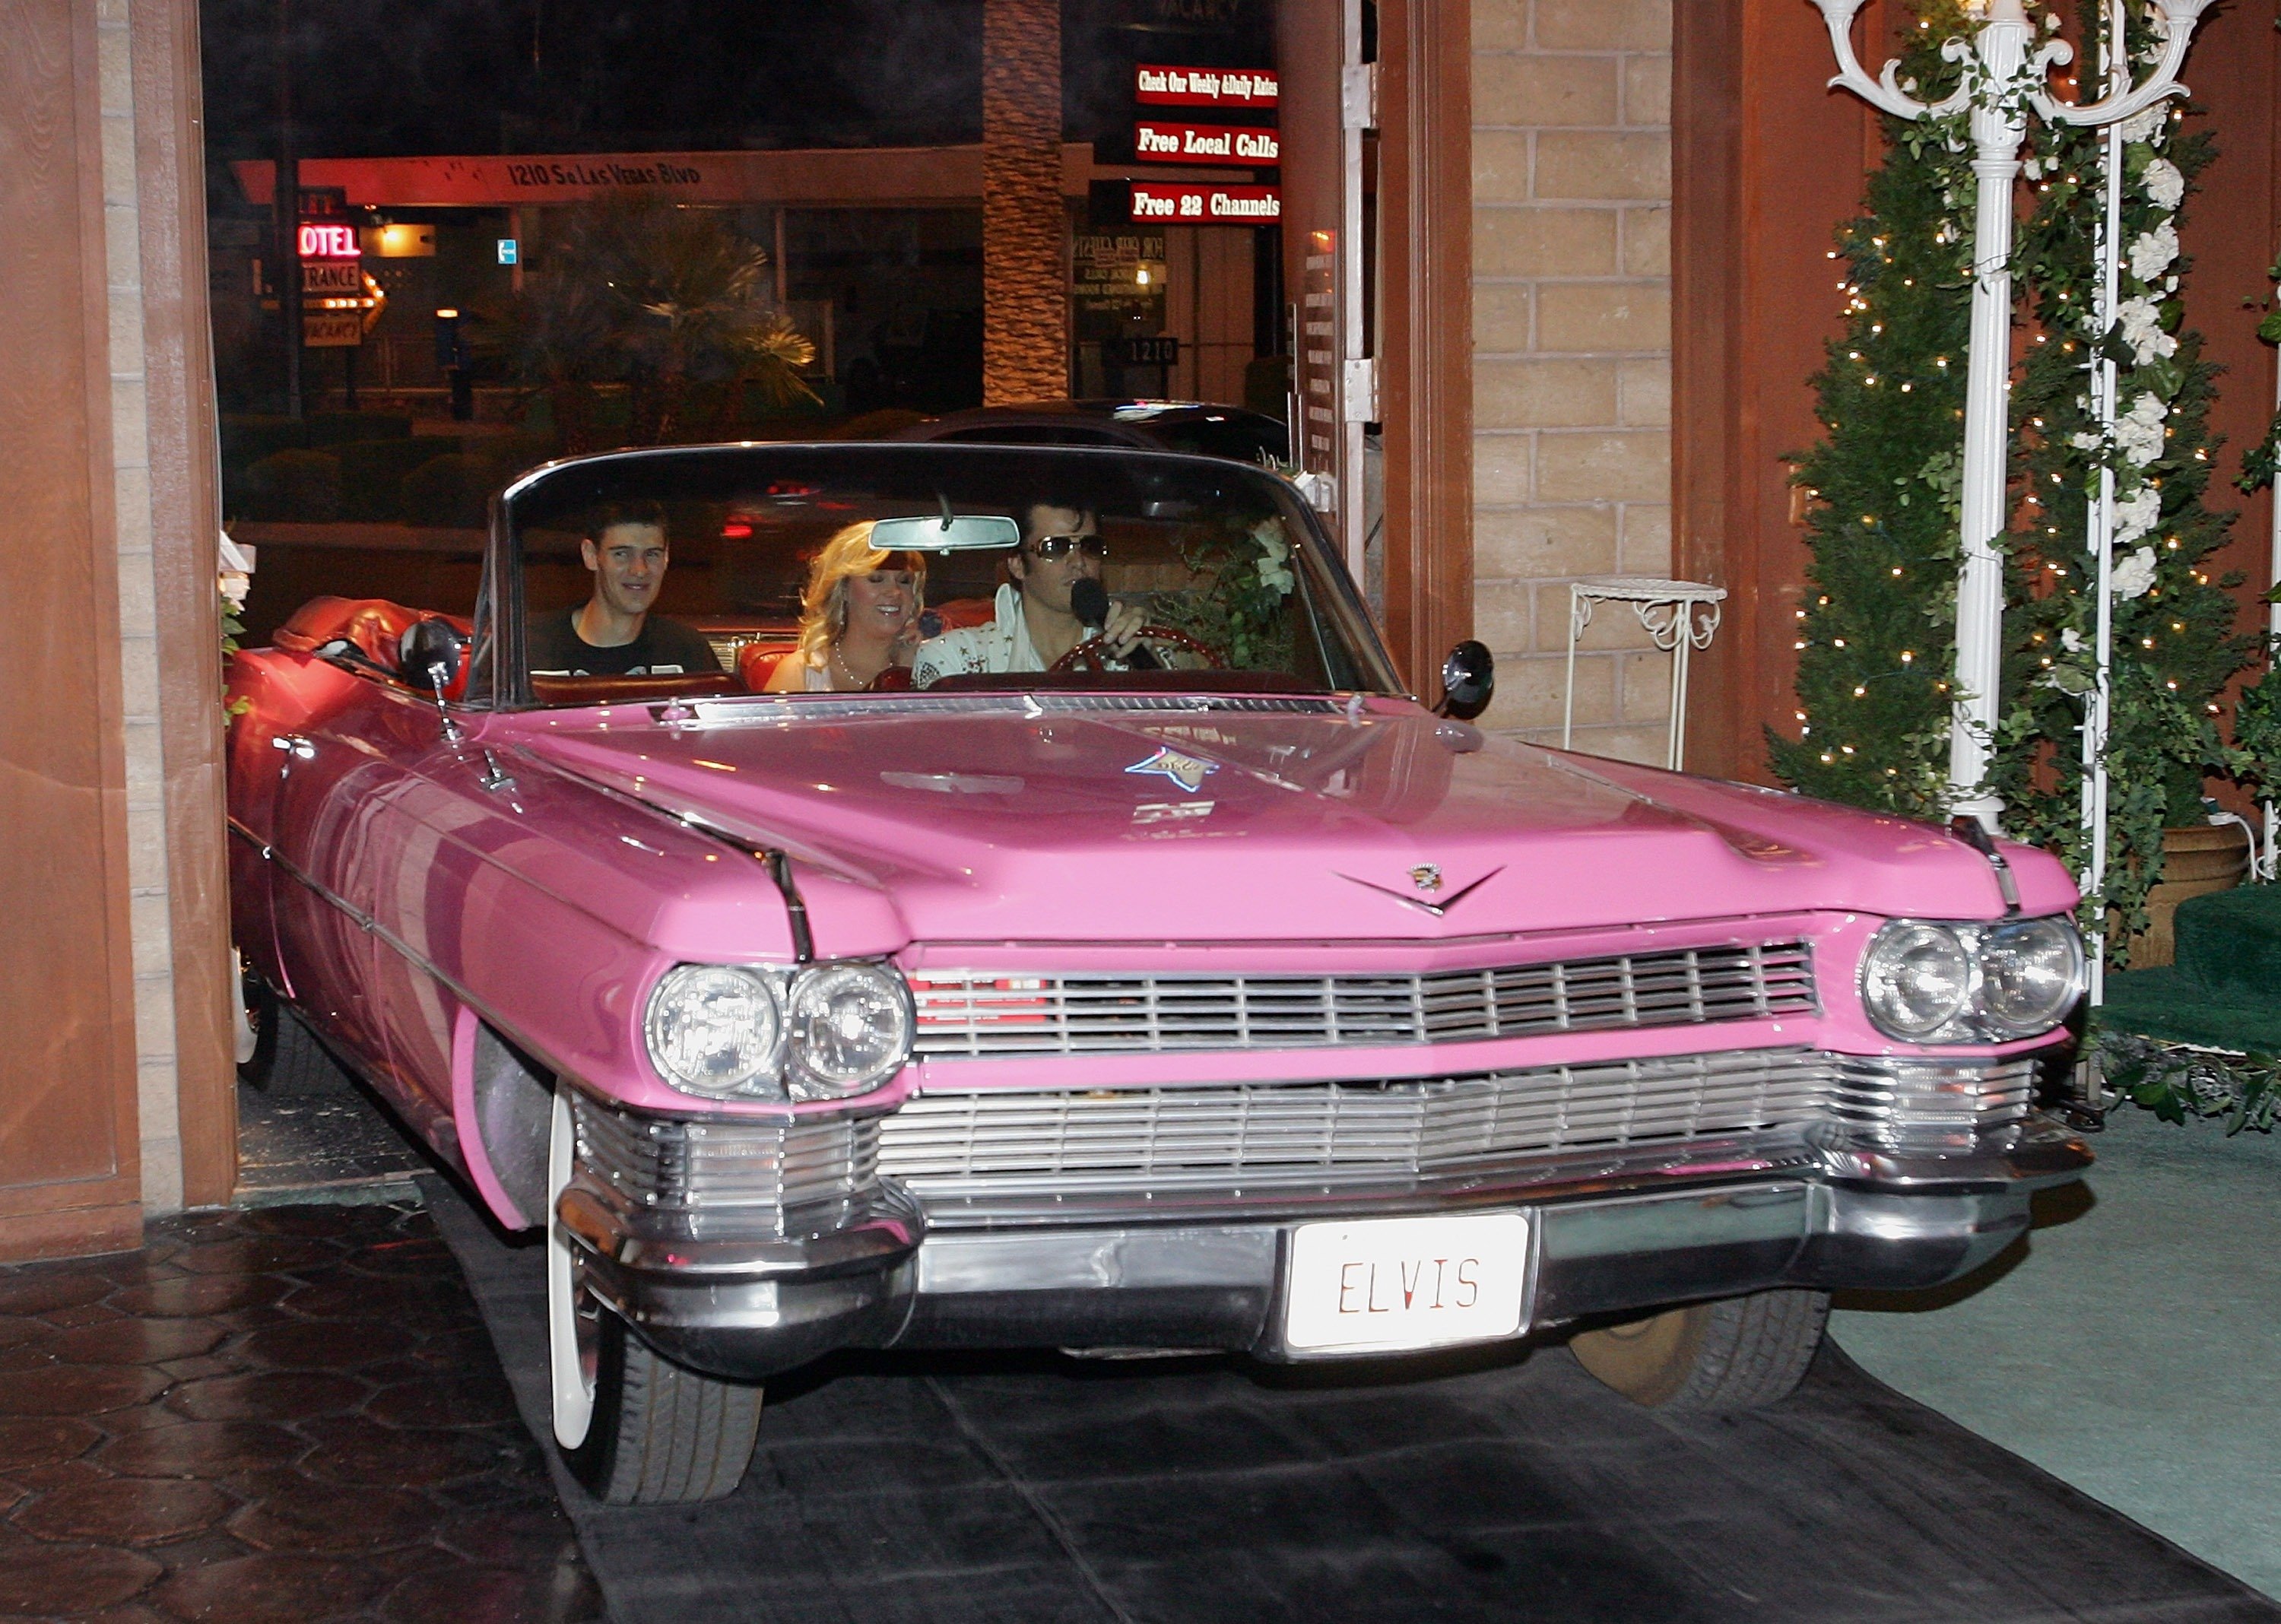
(847, 670)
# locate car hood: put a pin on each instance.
(1013, 819)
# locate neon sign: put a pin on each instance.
(329, 242)
(1207, 205)
(1157, 142)
(1210, 87)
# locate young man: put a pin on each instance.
(1034, 625)
(612, 633)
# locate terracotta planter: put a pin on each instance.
(2206, 857)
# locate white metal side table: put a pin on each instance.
(1680, 616)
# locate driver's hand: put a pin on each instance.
(1120, 634)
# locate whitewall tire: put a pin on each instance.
(570, 1346)
(635, 1428)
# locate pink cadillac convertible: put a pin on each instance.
(980, 980)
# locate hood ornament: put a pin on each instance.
(1426, 877)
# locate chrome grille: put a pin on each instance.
(1930, 1106)
(1269, 1135)
(977, 1014)
(706, 1166)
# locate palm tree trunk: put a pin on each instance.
(1024, 222)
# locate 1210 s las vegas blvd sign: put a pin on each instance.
(1206, 206)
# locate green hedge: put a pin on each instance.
(372, 473)
(292, 486)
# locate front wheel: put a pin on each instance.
(1742, 1353)
(634, 1427)
(286, 1058)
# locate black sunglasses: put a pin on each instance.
(1055, 547)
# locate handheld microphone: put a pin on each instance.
(1090, 602)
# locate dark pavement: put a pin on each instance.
(1041, 1489)
(291, 1414)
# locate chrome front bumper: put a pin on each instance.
(886, 1273)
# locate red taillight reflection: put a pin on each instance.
(1006, 1001)
(735, 530)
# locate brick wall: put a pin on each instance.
(1572, 362)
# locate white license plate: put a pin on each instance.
(1384, 1285)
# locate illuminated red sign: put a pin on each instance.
(1207, 205)
(329, 242)
(1203, 86)
(1157, 141)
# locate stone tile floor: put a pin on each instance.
(290, 1413)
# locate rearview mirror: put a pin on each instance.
(965, 532)
(428, 655)
(1468, 681)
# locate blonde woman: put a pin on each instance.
(859, 616)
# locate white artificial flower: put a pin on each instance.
(2141, 320)
(2166, 187)
(2151, 251)
(2083, 439)
(2137, 514)
(2134, 574)
(2071, 641)
(2139, 432)
(2033, 168)
(2142, 127)
(1274, 569)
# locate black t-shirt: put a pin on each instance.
(665, 647)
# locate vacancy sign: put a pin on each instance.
(1206, 206)
(1163, 142)
(1203, 86)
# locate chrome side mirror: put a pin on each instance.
(1468, 681)
(426, 645)
(425, 657)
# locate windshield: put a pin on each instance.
(1241, 436)
(812, 569)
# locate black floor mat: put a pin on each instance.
(1034, 1488)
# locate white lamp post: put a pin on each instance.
(2005, 73)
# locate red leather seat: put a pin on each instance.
(373, 627)
(756, 662)
(959, 612)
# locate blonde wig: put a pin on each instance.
(823, 606)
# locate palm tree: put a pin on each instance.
(666, 300)
(1024, 222)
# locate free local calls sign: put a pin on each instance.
(1167, 141)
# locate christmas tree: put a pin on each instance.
(1876, 631)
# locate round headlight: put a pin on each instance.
(714, 1029)
(1916, 980)
(850, 1025)
(2031, 974)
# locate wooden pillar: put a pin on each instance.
(70, 1166)
(185, 522)
(1767, 162)
(1025, 298)
(2232, 233)
(1426, 336)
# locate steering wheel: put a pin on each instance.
(1091, 655)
